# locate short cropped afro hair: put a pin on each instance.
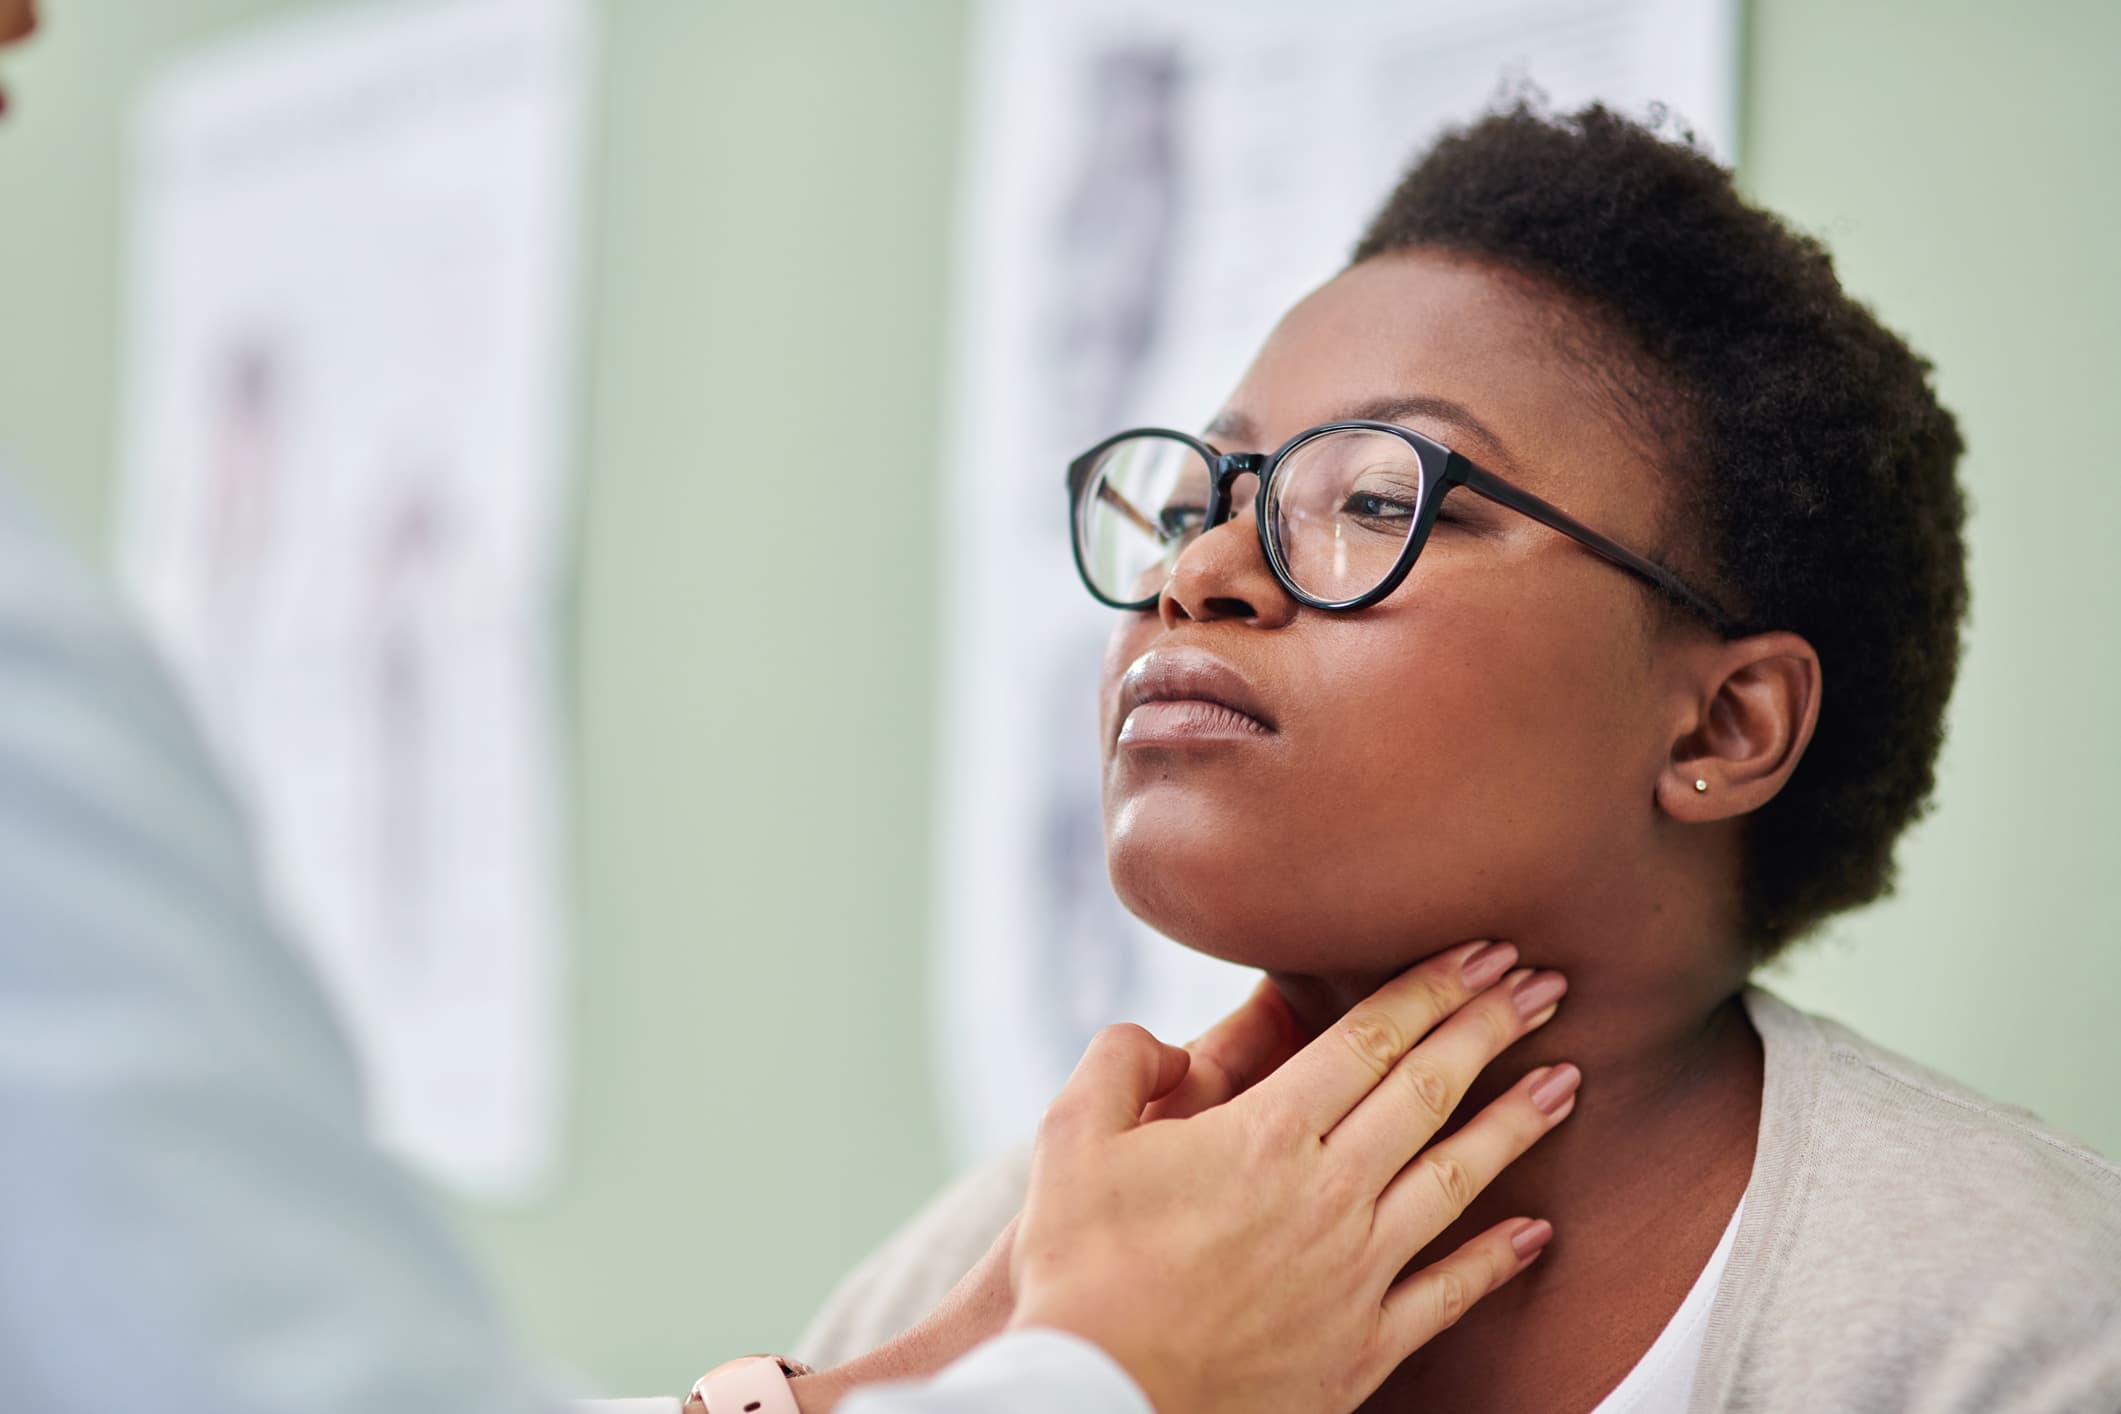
(1816, 471)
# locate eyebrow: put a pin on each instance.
(1235, 426)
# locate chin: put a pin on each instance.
(1188, 882)
(1231, 893)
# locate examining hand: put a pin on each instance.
(1240, 1248)
(1150, 1250)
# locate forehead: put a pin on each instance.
(1522, 359)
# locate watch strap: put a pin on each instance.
(755, 1384)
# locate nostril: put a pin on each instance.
(1229, 608)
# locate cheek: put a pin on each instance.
(1496, 734)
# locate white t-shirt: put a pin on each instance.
(1662, 1381)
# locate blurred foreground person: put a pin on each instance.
(193, 1220)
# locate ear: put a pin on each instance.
(1757, 704)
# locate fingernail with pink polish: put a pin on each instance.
(1486, 964)
(1551, 1093)
(1538, 992)
(1527, 1240)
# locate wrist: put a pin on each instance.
(818, 1393)
(1148, 1374)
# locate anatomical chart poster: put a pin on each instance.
(1147, 187)
(349, 315)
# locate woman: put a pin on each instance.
(1623, 629)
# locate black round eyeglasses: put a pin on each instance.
(1343, 511)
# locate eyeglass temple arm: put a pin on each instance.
(1128, 511)
(1503, 493)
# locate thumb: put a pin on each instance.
(1235, 1053)
(1124, 1070)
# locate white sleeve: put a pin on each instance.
(1024, 1372)
(192, 1218)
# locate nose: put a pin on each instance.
(1224, 574)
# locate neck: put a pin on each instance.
(1640, 1181)
(1639, 1041)
(1671, 1090)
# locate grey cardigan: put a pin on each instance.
(1906, 1245)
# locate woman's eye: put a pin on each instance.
(1179, 522)
(1377, 508)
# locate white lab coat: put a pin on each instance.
(192, 1217)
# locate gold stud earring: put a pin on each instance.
(1701, 785)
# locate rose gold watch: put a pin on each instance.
(756, 1384)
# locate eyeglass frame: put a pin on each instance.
(1457, 470)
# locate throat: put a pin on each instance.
(1640, 1183)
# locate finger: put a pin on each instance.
(1442, 1181)
(1235, 1054)
(1331, 1075)
(1124, 1069)
(1423, 1304)
(1394, 1121)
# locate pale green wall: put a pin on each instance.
(769, 271)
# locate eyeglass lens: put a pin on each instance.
(1340, 508)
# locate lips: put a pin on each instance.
(1189, 693)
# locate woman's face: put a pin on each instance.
(1463, 760)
